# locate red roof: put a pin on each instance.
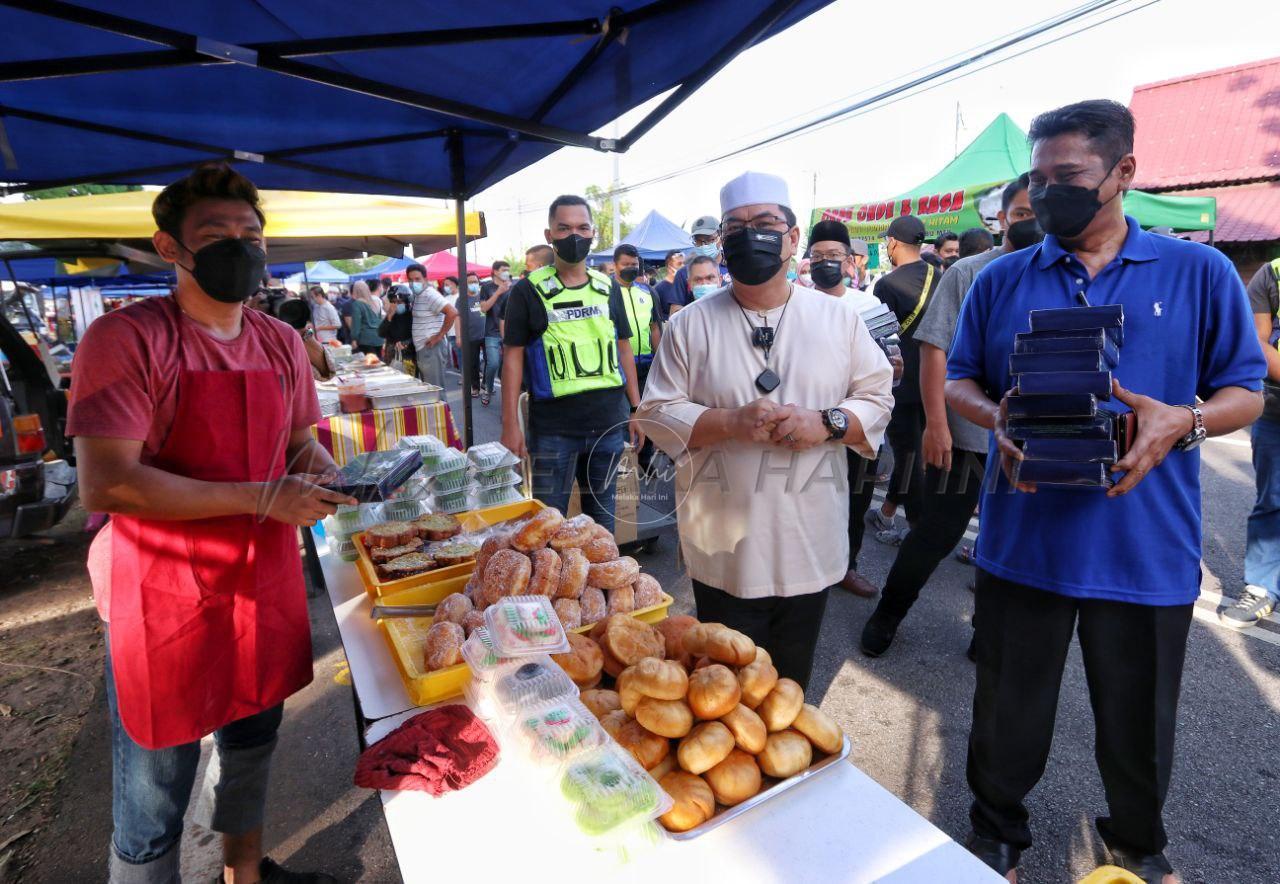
(1246, 212)
(1217, 127)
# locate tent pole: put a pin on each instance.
(457, 173)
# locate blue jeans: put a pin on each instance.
(592, 460)
(492, 361)
(150, 790)
(1262, 535)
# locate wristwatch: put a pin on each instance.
(836, 422)
(1197, 434)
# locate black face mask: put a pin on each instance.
(826, 274)
(573, 249)
(1065, 210)
(1025, 233)
(753, 256)
(628, 274)
(229, 270)
(947, 262)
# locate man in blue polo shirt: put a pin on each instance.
(1120, 567)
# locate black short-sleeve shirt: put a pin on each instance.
(900, 292)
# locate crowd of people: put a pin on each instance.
(747, 361)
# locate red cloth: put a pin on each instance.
(438, 751)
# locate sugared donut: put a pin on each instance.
(546, 572)
(507, 573)
(453, 608)
(535, 533)
(473, 621)
(619, 573)
(443, 645)
(648, 591)
(569, 611)
(593, 605)
(572, 533)
(573, 574)
(492, 543)
(600, 549)
(621, 601)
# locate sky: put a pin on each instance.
(854, 49)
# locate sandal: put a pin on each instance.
(965, 555)
(484, 399)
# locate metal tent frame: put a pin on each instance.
(289, 59)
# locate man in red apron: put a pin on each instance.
(191, 417)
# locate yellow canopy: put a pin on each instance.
(301, 225)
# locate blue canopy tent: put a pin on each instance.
(320, 272)
(653, 237)
(391, 265)
(87, 88)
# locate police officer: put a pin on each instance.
(568, 339)
(642, 314)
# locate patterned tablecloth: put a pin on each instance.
(346, 435)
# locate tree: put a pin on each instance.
(357, 265)
(602, 210)
(78, 190)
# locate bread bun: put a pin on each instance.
(613, 667)
(569, 612)
(648, 748)
(454, 608)
(673, 630)
(536, 532)
(706, 746)
(507, 573)
(748, 730)
(628, 697)
(695, 638)
(612, 722)
(546, 572)
(661, 679)
(694, 801)
(666, 718)
(630, 640)
(822, 731)
(621, 601)
(757, 680)
(735, 779)
(573, 574)
(600, 702)
(664, 767)
(785, 754)
(593, 605)
(443, 646)
(713, 692)
(762, 656)
(730, 647)
(583, 661)
(648, 591)
(780, 708)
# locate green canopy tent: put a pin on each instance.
(966, 193)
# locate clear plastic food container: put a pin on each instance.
(521, 625)
(482, 659)
(609, 790)
(447, 461)
(402, 509)
(491, 456)
(487, 497)
(499, 478)
(451, 502)
(531, 684)
(560, 730)
(454, 480)
(344, 548)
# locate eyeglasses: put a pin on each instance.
(767, 221)
(828, 256)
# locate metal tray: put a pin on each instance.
(772, 792)
(401, 397)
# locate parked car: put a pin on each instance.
(37, 464)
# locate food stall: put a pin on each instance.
(638, 744)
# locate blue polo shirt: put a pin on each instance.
(1188, 332)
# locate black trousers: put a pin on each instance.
(785, 627)
(906, 433)
(1133, 656)
(862, 485)
(946, 507)
(474, 351)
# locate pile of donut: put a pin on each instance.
(701, 707)
(575, 562)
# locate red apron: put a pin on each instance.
(209, 617)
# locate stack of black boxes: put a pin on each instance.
(1062, 369)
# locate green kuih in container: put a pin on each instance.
(454, 480)
(450, 460)
(402, 510)
(451, 502)
(487, 497)
(608, 789)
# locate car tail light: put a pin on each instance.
(29, 432)
(8, 481)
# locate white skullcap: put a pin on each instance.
(751, 189)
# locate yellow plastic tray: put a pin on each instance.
(472, 520)
(407, 636)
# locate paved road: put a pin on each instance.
(907, 714)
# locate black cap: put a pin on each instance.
(829, 231)
(907, 229)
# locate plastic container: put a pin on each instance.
(352, 394)
(490, 455)
(498, 496)
(499, 478)
(559, 731)
(450, 460)
(451, 502)
(483, 660)
(442, 483)
(609, 790)
(425, 443)
(402, 509)
(522, 625)
(344, 548)
(533, 683)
